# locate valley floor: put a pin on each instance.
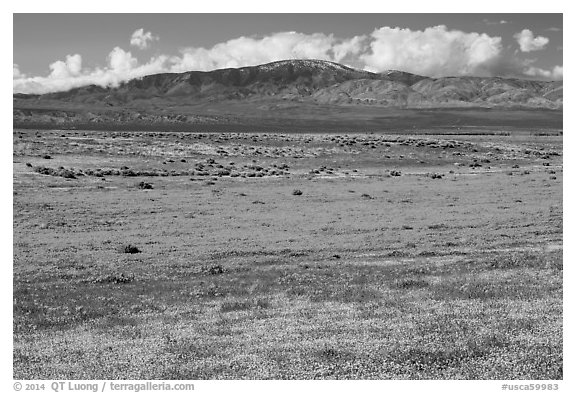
(142, 255)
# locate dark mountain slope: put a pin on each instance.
(323, 82)
(290, 88)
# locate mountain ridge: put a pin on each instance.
(286, 86)
(306, 79)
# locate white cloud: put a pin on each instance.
(435, 51)
(121, 61)
(555, 73)
(352, 47)
(558, 72)
(66, 75)
(141, 39)
(64, 69)
(528, 42)
(16, 72)
(491, 23)
(246, 51)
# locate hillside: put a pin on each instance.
(288, 88)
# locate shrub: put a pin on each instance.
(145, 186)
(408, 283)
(216, 269)
(437, 226)
(65, 173)
(129, 249)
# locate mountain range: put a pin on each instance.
(198, 96)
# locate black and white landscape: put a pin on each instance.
(346, 216)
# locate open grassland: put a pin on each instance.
(309, 256)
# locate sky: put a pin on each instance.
(56, 52)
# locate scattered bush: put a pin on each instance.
(62, 172)
(437, 226)
(409, 283)
(215, 269)
(129, 249)
(145, 186)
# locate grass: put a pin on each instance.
(367, 310)
(331, 286)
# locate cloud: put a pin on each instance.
(141, 40)
(349, 49)
(435, 51)
(554, 29)
(491, 23)
(558, 72)
(121, 61)
(528, 42)
(66, 75)
(16, 72)
(64, 69)
(555, 73)
(247, 51)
